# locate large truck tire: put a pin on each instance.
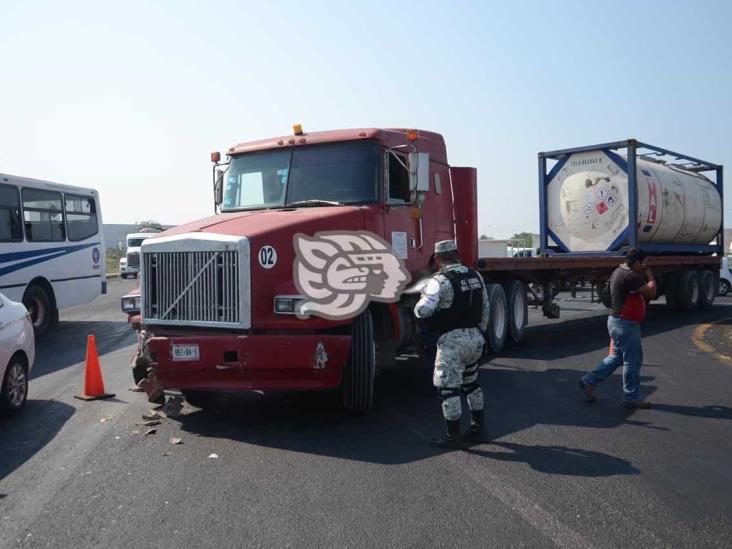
(40, 305)
(518, 308)
(708, 289)
(669, 290)
(498, 318)
(687, 291)
(358, 375)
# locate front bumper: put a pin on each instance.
(129, 270)
(252, 362)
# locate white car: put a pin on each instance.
(725, 277)
(17, 352)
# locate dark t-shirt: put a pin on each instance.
(627, 303)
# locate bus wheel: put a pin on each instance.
(518, 310)
(39, 305)
(708, 289)
(358, 375)
(687, 291)
(497, 318)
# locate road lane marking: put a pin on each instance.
(698, 338)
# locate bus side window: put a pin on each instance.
(81, 217)
(11, 227)
(43, 215)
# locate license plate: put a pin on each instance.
(184, 353)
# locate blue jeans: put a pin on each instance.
(626, 349)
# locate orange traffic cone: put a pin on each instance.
(93, 382)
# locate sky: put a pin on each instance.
(131, 97)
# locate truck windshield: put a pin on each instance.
(344, 173)
(134, 242)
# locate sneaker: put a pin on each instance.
(587, 389)
(637, 404)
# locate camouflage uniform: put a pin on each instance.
(458, 351)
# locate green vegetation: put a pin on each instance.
(113, 255)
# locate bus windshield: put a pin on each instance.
(338, 173)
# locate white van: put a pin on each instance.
(725, 277)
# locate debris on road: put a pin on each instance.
(174, 440)
(151, 431)
(213, 456)
(136, 389)
(154, 414)
(151, 422)
(105, 419)
(135, 432)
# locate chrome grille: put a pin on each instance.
(195, 287)
(133, 259)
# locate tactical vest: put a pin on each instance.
(467, 304)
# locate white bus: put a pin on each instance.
(52, 252)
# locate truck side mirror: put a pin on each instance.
(419, 171)
(219, 187)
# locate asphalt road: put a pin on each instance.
(292, 470)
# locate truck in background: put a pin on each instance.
(129, 265)
(218, 303)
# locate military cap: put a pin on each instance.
(445, 246)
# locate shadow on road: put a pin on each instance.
(406, 412)
(66, 345)
(560, 460)
(28, 432)
(586, 335)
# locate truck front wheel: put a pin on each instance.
(358, 375)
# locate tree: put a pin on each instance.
(525, 238)
(486, 237)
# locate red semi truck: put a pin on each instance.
(287, 286)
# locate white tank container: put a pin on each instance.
(587, 204)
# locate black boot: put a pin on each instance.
(476, 426)
(452, 438)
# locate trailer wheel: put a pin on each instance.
(687, 291)
(498, 318)
(358, 375)
(518, 308)
(708, 289)
(670, 290)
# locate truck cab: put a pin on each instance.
(220, 297)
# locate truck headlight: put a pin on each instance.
(286, 304)
(131, 304)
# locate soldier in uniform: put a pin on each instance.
(454, 305)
